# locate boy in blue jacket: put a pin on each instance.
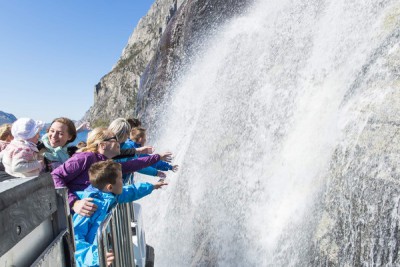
(138, 139)
(106, 190)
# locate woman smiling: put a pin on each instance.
(61, 132)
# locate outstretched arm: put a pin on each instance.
(139, 163)
(137, 191)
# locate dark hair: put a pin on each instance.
(133, 122)
(103, 173)
(71, 150)
(70, 125)
(137, 132)
(81, 144)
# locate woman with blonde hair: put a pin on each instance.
(102, 144)
(122, 128)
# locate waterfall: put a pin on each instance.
(270, 126)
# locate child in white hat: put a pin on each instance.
(20, 158)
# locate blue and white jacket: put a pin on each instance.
(85, 228)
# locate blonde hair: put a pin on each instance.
(95, 137)
(5, 131)
(137, 132)
(121, 128)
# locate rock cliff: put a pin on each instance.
(163, 42)
(115, 94)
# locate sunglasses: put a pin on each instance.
(111, 138)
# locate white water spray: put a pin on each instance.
(254, 123)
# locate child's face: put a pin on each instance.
(117, 187)
(35, 139)
(9, 138)
(142, 140)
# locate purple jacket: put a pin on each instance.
(74, 175)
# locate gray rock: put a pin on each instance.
(163, 42)
(6, 118)
(115, 94)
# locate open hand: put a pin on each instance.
(175, 168)
(159, 184)
(166, 156)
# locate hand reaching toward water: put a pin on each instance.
(161, 174)
(159, 184)
(145, 150)
(166, 156)
(175, 168)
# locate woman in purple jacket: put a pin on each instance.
(102, 144)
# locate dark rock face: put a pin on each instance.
(187, 32)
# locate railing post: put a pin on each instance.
(115, 232)
(63, 220)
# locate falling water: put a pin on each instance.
(258, 123)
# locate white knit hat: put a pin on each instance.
(25, 128)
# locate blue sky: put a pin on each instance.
(52, 52)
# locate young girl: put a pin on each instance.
(138, 139)
(20, 158)
(5, 136)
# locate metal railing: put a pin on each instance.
(115, 234)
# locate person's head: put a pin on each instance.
(121, 128)
(106, 176)
(27, 129)
(138, 135)
(133, 122)
(103, 141)
(5, 132)
(61, 132)
(81, 144)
